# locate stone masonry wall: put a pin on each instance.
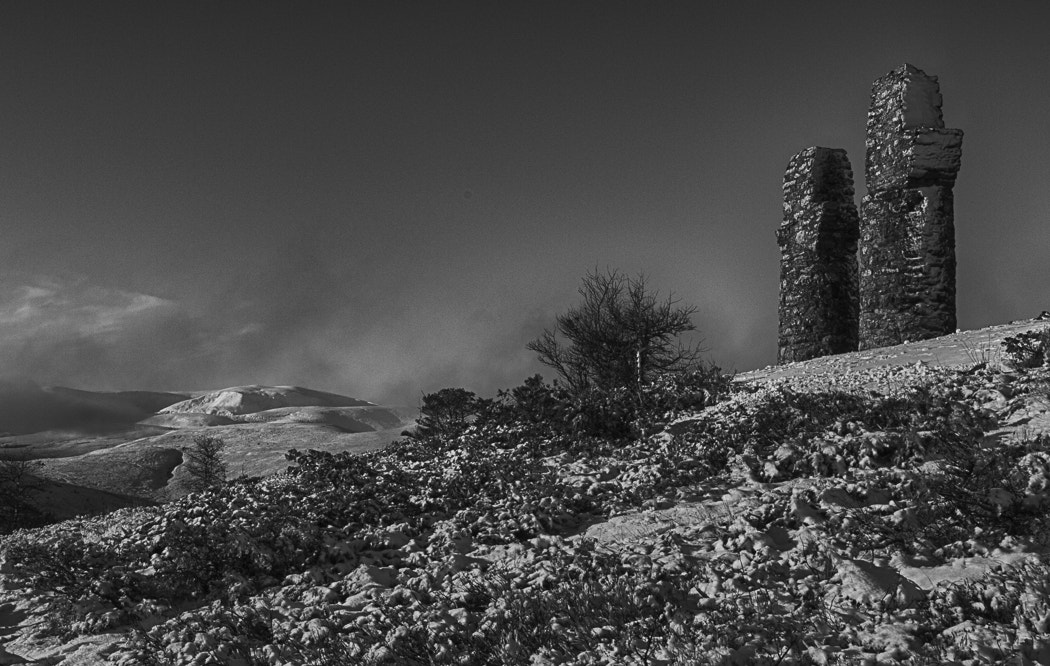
(818, 267)
(907, 234)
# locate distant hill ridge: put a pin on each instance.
(26, 407)
(255, 398)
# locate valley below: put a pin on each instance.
(95, 452)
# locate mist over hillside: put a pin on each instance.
(26, 407)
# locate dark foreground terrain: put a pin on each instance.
(881, 507)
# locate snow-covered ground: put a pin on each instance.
(882, 507)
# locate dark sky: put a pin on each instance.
(385, 198)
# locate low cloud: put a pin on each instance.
(53, 309)
(313, 331)
(26, 408)
(73, 333)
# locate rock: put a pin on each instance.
(806, 513)
(1037, 652)
(961, 570)
(818, 266)
(770, 471)
(991, 399)
(8, 658)
(839, 498)
(867, 582)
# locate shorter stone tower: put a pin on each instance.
(818, 266)
(907, 235)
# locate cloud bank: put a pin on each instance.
(299, 326)
(74, 333)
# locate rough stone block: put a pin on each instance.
(818, 267)
(906, 261)
(907, 144)
(915, 158)
(907, 240)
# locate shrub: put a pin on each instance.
(446, 413)
(675, 392)
(1029, 349)
(614, 414)
(533, 402)
(87, 588)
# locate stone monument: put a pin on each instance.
(907, 232)
(818, 265)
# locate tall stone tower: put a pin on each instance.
(818, 265)
(907, 233)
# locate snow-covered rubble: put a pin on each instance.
(896, 516)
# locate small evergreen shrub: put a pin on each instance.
(1029, 349)
(205, 463)
(447, 413)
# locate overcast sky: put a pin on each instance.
(385, 198)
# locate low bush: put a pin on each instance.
(1030, 349)
(611, 414)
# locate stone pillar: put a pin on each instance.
(907, 234)
(818, 265)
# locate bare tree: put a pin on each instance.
(621, 336)
(18, 483)
(205, 465)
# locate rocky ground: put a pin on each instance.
(881, 507)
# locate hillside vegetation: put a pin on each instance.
(776, 523)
